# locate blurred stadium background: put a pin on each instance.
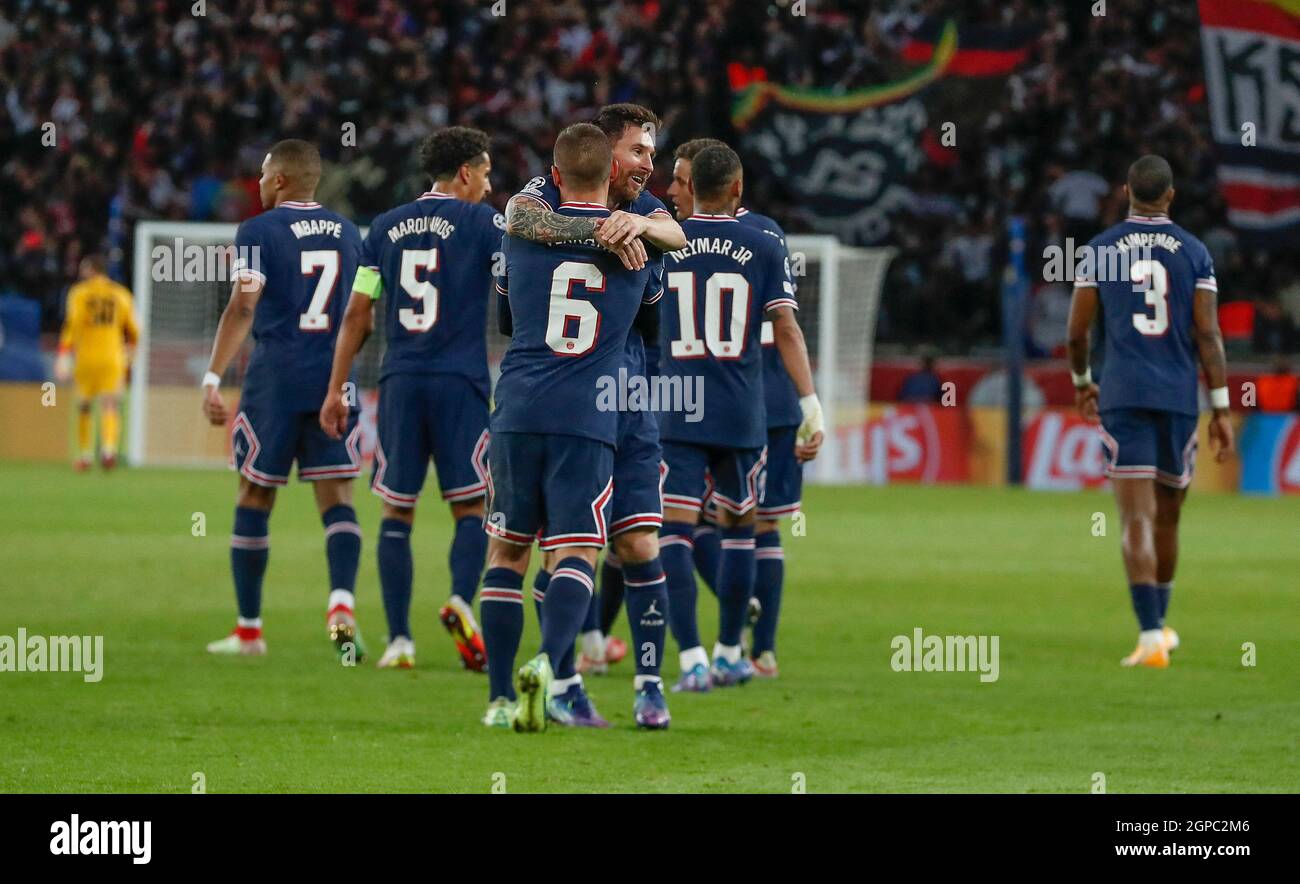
(929, 127)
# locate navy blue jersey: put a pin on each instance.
(1146, 271)
(572, 307)
(721, 286)
(641, 355)
(781, 397)
(305, 256)
(434, 256)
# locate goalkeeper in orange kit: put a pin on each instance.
(99, 333)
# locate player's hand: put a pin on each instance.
(63, 368)
(811, 432)
(214, 408)
(806, 452)
(1222, 441)
(620, 229)
(1085, 399)
(632, 255)
(334, 415)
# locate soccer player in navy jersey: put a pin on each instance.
(433, 259)
(551, 458)
(728, 278)
(291, 263)
(1154, 283)
(782, 481)
(636, 509)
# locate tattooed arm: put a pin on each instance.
(528, 219)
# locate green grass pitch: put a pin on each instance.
(114, 555)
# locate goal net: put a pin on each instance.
(182, 281)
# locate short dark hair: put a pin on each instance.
(614, 119)
(297, 159)
(688, 149)
(1149, 178)
(445, 151)
(583, 155)
(95, 261)
(713, 169)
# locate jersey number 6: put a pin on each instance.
(563, 309)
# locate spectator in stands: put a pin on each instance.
(1278, 390)
(924, 385)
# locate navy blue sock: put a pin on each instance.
(1146, 604)
(707, 554)
(468, 553)
(769, 575)
(1163, 591)
(250, 547)
(679, 570)
(735, 581)
(395, 568)
(567, 598)
(541, 580)
(647, 605)
(501, 608)
(591, 622)
(611, 591)
(342, 546)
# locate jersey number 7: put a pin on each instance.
(316, 319)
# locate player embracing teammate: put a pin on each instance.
(728, 278)
(572, 303)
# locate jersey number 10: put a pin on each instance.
(689, 345)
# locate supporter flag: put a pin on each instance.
(1252, 72)
(982, 50)
(847, 156)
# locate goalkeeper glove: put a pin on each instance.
(813, 422)
(63, 367)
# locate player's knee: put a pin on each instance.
(333, 492)
(465, 508)
(404, 514)
(502, 554)
(728, 519)
(766, 526)
(253, 496)
(638, 545)
(587, 553)
(550, 559)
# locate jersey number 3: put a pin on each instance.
(1155, 278)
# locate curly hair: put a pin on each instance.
(446, 150)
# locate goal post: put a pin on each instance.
(839, 292)
(182, 282)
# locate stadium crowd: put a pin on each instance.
(159, 113)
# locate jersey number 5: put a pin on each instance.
(419, 289)
(316, 319)
(730, 346)
(563, 309)
(1155, 277)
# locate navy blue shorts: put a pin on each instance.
(265, 442)
(638, 474)
(548, 486)
(1146, 444)
(781, 485)
(423, 416)
(728, 477)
